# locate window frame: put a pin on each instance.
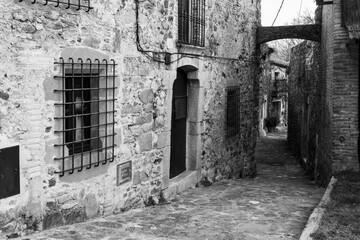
(191, 22)
(80, 149)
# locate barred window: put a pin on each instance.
(75, 4)
(86, 114)
(233, 111)
(191, 25)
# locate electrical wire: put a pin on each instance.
(278, 13)
(182, 55)
(300, 10)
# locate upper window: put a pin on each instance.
(192, 22)
(233, 111)
(87, 114)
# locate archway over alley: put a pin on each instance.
(274, 94)
(307, 32)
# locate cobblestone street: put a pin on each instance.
(274, 205)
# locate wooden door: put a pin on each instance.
(178, 125)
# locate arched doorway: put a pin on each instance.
(179, 124)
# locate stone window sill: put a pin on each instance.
(192, 49)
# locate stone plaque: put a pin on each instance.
(124, 173)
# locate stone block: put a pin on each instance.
(148, 108)
(164, 139)
(146, 96)
(69, 205)
(84, 53)
(135, 131)
(91, 206)
(144, 119)
(64, 198)
(52, 217)
(4, 95)
(136, 178)
(187, 182)
(166, 167)
(130, 109)
(194, 107)
(74, 215)
(143, 70)
(194, 152)
(147, 127)
(171, 192)
(145, 142)
(194, 128)
(143, 176)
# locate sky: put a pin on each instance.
(289, 11)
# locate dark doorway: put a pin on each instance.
(178, 125)
(305, 128)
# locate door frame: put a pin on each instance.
(192, 173)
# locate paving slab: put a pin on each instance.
(274, 205)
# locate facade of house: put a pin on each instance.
(273, 88)
(110, 105)
(324, 77)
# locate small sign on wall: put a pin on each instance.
(123, 173)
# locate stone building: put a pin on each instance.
(110, 105)
(273, 88)
(324, 85)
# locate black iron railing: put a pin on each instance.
(191, 22)
(77, 4)
(87, 114)
(233, 111)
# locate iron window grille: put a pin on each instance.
(77, 4)
(86, 114)
(191, 22)
(233, 111)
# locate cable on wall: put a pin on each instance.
(167, 55)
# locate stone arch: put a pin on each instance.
(307, 32)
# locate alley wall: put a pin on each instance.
(324, 99)
(303, 104)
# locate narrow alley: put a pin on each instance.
(274, 205)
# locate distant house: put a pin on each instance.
(273, 89)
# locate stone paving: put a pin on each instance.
(275, 205)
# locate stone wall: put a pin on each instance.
(345, 96)
(35, 36)
(332, 91)
(303, 103)
(324, 91)
(339, 91)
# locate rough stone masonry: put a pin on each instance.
(34, 36)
